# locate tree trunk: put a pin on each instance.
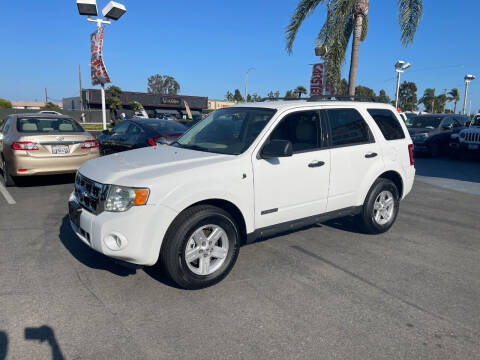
(455, 107)
(360, 10)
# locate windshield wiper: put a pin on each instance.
(194, 147)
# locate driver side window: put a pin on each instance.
(301, 128)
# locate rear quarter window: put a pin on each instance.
(387, 123)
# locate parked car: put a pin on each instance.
(467, 140)
(42, 144)
(431, 132)
(51, 112)
(137, 133)
(245, 172)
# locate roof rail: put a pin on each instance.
(343, 98)
(281, 98)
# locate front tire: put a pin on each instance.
(200, 247)
(380, 208)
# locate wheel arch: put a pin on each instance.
(396, 178)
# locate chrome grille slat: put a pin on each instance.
(473, 137)
(90, 194)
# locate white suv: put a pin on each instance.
(467, 140)
(243, 173)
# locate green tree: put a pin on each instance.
(5, 104)
(51, 106)
(237, 97)
(135, 106)
(273, 95)
(454, 95)
(383, 97)
(229, 96)
(299, 90)
(440, 102)
(364, 91)
(428, 99)
(290, 94)
(163, 85)
(349, 19)
(342, 88)
(113, 101)
(407, 96)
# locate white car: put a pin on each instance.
(243, 173)
(467, 140)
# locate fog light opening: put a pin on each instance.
(115, 241)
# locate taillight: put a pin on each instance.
(153, 141)
(90, 144)
(24, 145)
(410, 153)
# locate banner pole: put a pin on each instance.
(104, 109)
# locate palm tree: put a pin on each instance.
(454, 95)
(299, 90)
(428, 99)
(344, 19)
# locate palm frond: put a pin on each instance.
(364, 28)
(304, 9)
(410, 14)
(335, 35)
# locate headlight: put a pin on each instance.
(120, 198)
(454, 136)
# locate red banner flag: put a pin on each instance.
(98, 69)
(318, 82)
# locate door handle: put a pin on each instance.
(371, 155)
(316, 164)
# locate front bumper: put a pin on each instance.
(464, 147)
(140, 230)
(421, 147)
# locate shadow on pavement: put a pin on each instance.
(462, 170)
(45, 180)
(87, 256)
(45, 333)
(3, 345)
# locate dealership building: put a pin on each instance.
(154, 104)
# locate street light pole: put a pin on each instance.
(467, 79)
(400, 67)
(246, 82)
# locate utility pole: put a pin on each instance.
(433, 102)
(467, 79)
(46, 96)
(445, 103)
(80, 84)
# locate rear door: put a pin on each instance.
(354, 156)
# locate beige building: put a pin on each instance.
(30, 105)
(218, 104)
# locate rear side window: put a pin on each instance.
(348, 127)
(388, 124)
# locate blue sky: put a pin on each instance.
(208, 45)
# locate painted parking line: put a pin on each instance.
(7, 195)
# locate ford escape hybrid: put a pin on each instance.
(244, 172)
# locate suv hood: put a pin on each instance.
(138, 167)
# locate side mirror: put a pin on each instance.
(106, 132)
(276, 149)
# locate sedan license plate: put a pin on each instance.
(74, 211)
(60, 149)
(472, 146)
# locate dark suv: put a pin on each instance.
(431, 132)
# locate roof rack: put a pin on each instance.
(327, 97)
(343, 98)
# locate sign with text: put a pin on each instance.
(318, 81)
(98, 70)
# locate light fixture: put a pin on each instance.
(114, 10)
(87, 7)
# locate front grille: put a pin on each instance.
(90, 194)
(472, 137)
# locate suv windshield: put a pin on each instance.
(427, 122)
(227, 131)
(475, 121)
(48, 125)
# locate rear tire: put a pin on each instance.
(380, 208)
(200, 247)
(7, 178)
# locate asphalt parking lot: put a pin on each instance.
(326, 292)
